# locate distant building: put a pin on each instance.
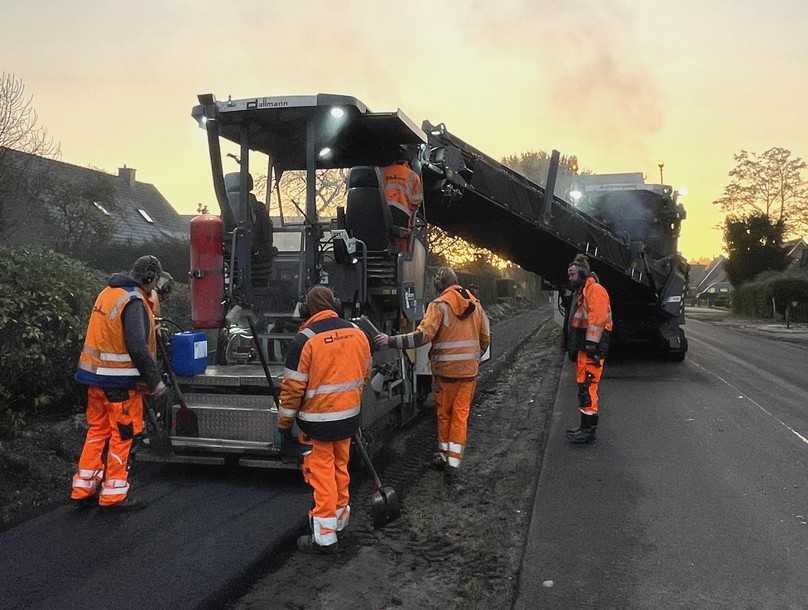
(797, 252)
(714, 288)
(138, 211)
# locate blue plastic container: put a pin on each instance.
(189, 353)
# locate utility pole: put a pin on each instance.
(660, 165)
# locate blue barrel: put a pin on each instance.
(189, 353)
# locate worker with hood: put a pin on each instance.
(118, 365)
(590, 326)
(403, 192)
(325, 373)
(458, 329)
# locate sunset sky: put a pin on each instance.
(621, 84)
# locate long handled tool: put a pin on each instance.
(159, 439)
(186, 422)
(291, 450)
(384, 504)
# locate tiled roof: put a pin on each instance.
(130, 224)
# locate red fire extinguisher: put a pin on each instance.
(207, 271)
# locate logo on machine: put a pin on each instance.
(268, 102)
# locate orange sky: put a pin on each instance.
(621, 84)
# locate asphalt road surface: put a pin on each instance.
(205, 533)
(696, 493)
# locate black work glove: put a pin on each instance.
(591, 349)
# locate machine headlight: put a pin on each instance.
(337, 112)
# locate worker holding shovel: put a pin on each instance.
(325, 373)
(118, 364)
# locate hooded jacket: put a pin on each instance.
(458, 329)
(120, 344)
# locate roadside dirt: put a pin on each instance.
(453, 547)
(36, 467)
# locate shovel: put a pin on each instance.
(384, 504)
(159, 440)
(186, 422)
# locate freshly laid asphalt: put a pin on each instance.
(204, 532)
(696, 492)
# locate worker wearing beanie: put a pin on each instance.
(325, 373)
(118, 364)
(590, 326)
(458, 329)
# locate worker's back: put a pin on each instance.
(462, 334)
(403, 192)
(326, 369)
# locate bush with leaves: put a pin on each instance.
(45, 301)
(755, 298)
(175, 256)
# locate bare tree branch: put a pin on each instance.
(19, 131)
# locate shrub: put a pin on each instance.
(754, 298)
(45, 301)
(174, 255)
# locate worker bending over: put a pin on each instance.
(118, 364)
(326, 369)
(404, 194)
(458, 328)
(590, 326)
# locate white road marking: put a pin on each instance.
(754, 402)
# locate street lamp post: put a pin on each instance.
(660, 165)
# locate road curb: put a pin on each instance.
(548, 424)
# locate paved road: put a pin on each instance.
(696, 494)
(205, 532)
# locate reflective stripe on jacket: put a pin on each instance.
(104, 360)
(325, 373)
(592, 316)
(458, 328)
(402, 189)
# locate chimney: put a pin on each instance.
(127, 174)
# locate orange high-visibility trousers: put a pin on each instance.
(325, 469)
(452, 404)
(112, 425)
(587, 375)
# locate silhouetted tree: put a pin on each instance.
(754, 244)
(769, 184)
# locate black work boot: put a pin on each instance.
(306, 544)
(438, 460)
(585, 434)
(125, 506)
(584, 424)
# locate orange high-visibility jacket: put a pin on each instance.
(458, 328)
(326, 369)
(592, 316)
(104, 360)
(403, 190)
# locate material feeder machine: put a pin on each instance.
(250, 270)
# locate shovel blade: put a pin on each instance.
(160, 444)
(187, 423)
(384, 506)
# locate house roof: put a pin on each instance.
(716, 273)
(139, 211)
(794, 246)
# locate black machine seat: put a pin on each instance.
(367, 213)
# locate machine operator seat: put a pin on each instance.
(367, 213)
(255, 214)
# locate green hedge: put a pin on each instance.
(45, 301)
(754, 299)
